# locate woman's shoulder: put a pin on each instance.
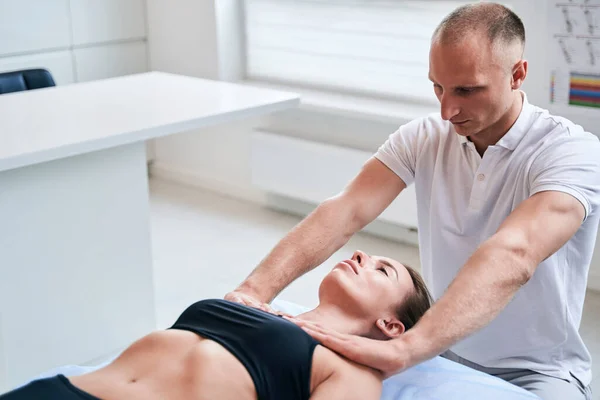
(330, 367)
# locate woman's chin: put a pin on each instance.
(338, 290)
(338, 280)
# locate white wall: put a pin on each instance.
(193, 39)
(76, 40)
(182, 39)
(199, 39)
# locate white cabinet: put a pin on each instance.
(97, 21)
(33, 25)
(312, 172)
(100, 62)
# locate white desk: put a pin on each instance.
(75, 258)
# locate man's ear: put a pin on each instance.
(390, 327)
(519, 73)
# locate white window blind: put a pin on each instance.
(369, 47)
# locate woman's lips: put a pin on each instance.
(352, 265)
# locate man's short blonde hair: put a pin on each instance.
(502, 26)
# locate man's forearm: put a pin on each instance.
(482, 288)
(310, 243)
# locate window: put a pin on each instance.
(368, 47)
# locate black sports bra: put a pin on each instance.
(276, 353)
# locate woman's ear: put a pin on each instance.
(391, 327)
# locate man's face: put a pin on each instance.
(472, 83)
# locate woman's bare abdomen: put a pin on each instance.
(172, 364)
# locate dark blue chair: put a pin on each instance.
(29, 79)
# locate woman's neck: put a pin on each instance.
(332, 317)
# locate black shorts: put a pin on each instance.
(56, 388)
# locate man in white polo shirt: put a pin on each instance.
(508, 208)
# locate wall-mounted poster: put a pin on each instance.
(574, 27)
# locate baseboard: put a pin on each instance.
(201, 180)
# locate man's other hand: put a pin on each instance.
(384, 356)
(242, 298)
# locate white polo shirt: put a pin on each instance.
(462, 200)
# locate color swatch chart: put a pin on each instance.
(584, 90)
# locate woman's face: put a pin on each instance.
(367, 286)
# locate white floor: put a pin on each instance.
(205, 244)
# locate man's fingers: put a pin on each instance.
(302, 324)
(343, 344)
(239, 298)
(267, 308)
(285, 315)
(373, 353)
(318, 336)
(242, 298)
(335, 342)
(316, 328)
(263, 306)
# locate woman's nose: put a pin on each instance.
(360, 257)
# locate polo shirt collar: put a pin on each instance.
(516, 133)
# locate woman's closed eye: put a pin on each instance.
(382, 269)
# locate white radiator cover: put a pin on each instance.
(312, 172)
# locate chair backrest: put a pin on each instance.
(29, 79)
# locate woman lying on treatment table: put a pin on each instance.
(223, 350)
